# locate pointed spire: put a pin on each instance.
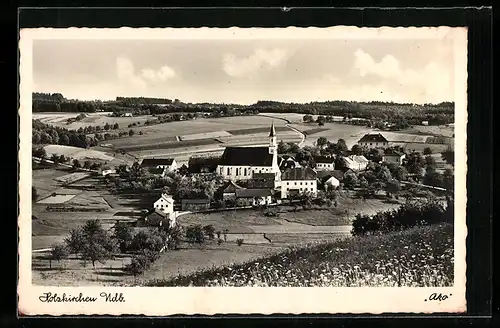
(272, 133)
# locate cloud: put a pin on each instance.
(433, 82)
(259, 60)
(163, 74)
(125, 71)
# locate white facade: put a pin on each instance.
(301, 186)
(325, 166)
(395, 159)
(233, 172)
(165, 204)
(371, 145)
(332, 182)
(106, 172)
(356, 163)
(170, 168)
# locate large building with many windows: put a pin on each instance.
(298, 181)
(241, 163)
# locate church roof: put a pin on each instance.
(256, 156)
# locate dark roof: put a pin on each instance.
(202, 164)
(264, 176)
(154, 170)
(373, 138)
(230, 187)
(257, 156)
(195, 201)
(157, 212)
(338, 174)
(149, 162)
(299, 174)
(272, 133)
(247, 193)
(323, 159)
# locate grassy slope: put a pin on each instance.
(418, 257)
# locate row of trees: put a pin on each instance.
(410, 214)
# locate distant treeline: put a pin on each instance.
(47, 134)
(441, 113)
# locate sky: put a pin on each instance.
(244, 71)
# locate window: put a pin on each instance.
(370, 143)
(221, 170)
(245, 171)
(287, 183)
(295, 183)
(228, 171)
(301, 183)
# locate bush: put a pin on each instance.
(219, 241)
(209, 231)
(408, 215)
(270, 212)
(141, 262)
(147, 240)
(194, 234)
(239, 241)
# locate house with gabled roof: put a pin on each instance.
(356, 162)
(254, 196)
(240, 163)
(298, 181)
(167, 164)
(373, 140)
(393, 156)
(324, 163)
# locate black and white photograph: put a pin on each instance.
(284, 158)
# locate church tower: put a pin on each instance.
(272, 140)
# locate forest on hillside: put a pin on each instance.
(442, 113)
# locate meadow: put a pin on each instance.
(417, 257)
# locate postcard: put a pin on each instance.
(242, 170)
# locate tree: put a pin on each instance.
(115, 126)
(294, 148)
(393, 187)
(57, 253)
(209, 231)
(147, 240)
(194, 234)
(131, 132)
(321, 142)
(87, 164)
(64, 140)
(415, 163)
(74, 242)
(448, 179)
(76, 164)
(449, 156)
(363, 183)
(357, 150)
(350, 180)
(427, 151)
(97, 246)
(308, 118)
(432, 177)
(398, 172)
(321, 120)
(430, 161)
(107, 126)
(283, 147)
(124, 235)
(342, 146)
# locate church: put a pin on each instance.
(240, 163)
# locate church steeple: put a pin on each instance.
(272, 133)
(272, 140)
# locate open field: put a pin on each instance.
(93, 119)
(56, 199)
(434, 130)
(205, 135)
(334, 131)
(72, 177)
(296, 117)
(77, 153)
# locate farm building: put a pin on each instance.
(198, 204)
(239, 163)
(393, 156)
(165, 204)
(287, 162)
(324, 163)
(425, 122)
(376, 140)
(298, 181)
(254, 196)
(330, 178)
(356, 162)
(160, 163)
(228, 191)
(157, 218)
(108, 172)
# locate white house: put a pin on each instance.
(168, 164)
(298, 181)
(356, 162)
(425, 122)
(255, 196)
(164, 204)
(373, 141)
(324, 163)
(332, 182)
(240, 163)
(107, 172)
(393, 156)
